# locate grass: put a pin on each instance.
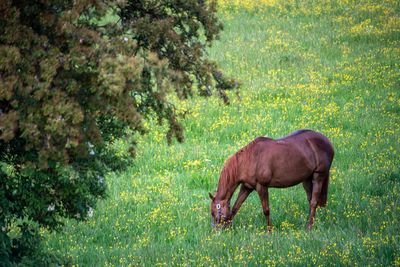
(328, 66)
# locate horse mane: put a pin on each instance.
(230, 169)
(228, 174)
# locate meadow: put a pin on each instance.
(331, 66)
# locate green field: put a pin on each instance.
(329, 66)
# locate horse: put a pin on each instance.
(304, 156)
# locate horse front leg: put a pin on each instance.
(243, 194)
(263, 194)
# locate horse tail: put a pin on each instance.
(328, 148)
(323, 197)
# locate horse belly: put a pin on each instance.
(290, 172)
(289, 179)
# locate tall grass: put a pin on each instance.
(331, 66)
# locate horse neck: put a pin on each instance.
(228, 181)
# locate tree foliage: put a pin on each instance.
(74, 75)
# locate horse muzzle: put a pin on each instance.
(223, 224)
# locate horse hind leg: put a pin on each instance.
(317, 184)
(307, 184)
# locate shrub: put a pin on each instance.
(73, 76)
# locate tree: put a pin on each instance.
(74, 75)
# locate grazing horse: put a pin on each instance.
(304, 156)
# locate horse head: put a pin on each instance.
(220, 212)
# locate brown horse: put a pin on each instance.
(304, 156)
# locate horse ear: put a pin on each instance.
(211, 196)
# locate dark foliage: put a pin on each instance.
(75, 75)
